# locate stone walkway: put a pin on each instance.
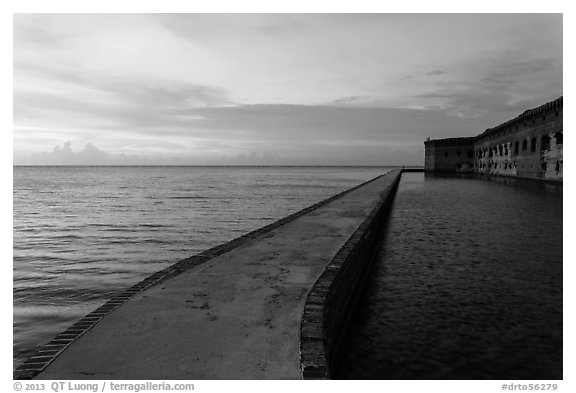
(236, 316)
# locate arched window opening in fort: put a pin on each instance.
(490, 153)
(524, 144)
(516, 145)
(533, 145)
(545, 143)
(557, 167)
(506, 149)
(559, 136)
(500, 150)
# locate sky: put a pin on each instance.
(271, 89)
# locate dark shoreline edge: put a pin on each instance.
(492, 177)
(46, 353)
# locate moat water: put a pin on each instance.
(468, 285)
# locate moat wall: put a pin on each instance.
(330, 303)
(528, 146)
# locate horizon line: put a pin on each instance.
(221, 166)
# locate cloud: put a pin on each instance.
(435, 72)
(63, 155)
(319, 88)
(498, 86)
(90, 155)
(288, 135)
(354, 100)
(108, 104)
(216, 28)
(524, 66)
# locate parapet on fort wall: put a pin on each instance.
(530, 146)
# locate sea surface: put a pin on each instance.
(467, 285)
(83, 233)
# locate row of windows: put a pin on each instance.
(490, 165)
(507, 165)
(505, 149)
(502, 150)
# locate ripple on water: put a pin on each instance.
(468, 285)
(83, 233)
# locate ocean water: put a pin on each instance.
(83, 233)
(467, 285)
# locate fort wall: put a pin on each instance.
(529, 146)
(450, 155)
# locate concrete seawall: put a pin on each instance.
(271, 304)
(329, 303)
